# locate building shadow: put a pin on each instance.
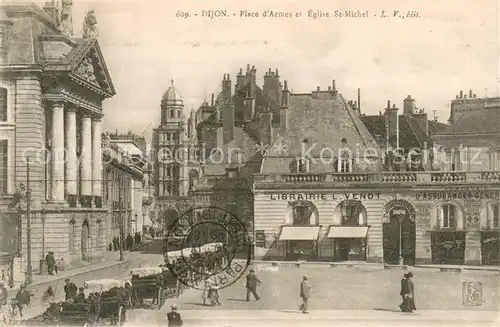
(386, 310)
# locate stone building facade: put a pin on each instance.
(52, 90)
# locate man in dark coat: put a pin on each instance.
(304, 293)
(407, 293)
(23, 297)
(252, 282)
(174, 318)
(80, 297)
(70, 289)
(51, 262)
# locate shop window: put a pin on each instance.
(449, 215)
(3, 104)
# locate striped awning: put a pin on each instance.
(347, 232)
(299, 233)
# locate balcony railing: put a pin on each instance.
(383, 177)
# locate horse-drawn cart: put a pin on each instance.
(103, 306)
(155, 283)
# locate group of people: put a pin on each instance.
(128, 243)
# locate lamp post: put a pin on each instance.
(29, 269)
(400, 223)
(136, 218)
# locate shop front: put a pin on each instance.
(448, 247)
(301, 242)
(349, 242)
(490, 248)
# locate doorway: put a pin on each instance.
(398, 233)
(85, 240)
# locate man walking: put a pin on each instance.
(304, 293)
(252, 282)
(4, 293)
(174, 318)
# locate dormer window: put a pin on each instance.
(301, 165)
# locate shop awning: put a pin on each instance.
(347, 232)
(296, 233)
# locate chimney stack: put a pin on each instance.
(388, 103)
(334, 88)
(226, 88)
(285, 100)
(470, 94)
(461, 94)
(409, 106)
(329, 88)
(359, 100)
(240, 79)
(391, 115)
(212, 103)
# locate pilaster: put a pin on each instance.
(96, 161)
(57, 151)
(71, 157)
(86, 157)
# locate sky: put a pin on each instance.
(452, 46)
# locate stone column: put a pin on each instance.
(71, 158)
(86, 156)
(96, 160)
(57, 151)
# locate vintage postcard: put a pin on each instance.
(249, 163)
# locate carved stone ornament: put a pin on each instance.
(105, 141)
(86, 71)
(90, 26)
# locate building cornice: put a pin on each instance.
(66, 96)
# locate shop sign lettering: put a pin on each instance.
(458, 195)
(324, 196)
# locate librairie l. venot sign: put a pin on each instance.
(326, 196)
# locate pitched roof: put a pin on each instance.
(239, 152)
(480, 122)
(322, 120)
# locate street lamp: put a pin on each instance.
(400, 223)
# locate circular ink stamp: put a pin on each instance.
(214, 245)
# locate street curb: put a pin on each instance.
(372, 266)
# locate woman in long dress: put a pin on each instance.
(206, 291)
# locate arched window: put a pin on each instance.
(171, 113)
(301, 165)
(71, 237)
(344, 162)
(98, 234)
(3, 104)
(352, 213)
(449, 214)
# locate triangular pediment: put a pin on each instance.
(89, 68)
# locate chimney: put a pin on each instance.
(474, 95)
(240, 79)
(334, 88)
(227, 122)
(329, 89)
(253, 76)
(461, 94)
(391, 117)
(408, 106)
(212, 103)
(284, 110)
(226, 88)
(265, 128)
(421, 118)
(470, 94)
(271, 85)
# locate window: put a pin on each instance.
(302, 215)
(449, 213)
(4, 166)
(171, 113)
(71, 237)
(3, 104)
(302, 166)
(352, 213)
(345, 165)
(495, 210)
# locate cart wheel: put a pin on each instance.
(121, 316)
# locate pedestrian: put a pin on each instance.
(70, 289)
(174, 318)
(251, 285)
(51, 263)
(23, 297)
(80, 297)
(407, 293)
(206, 291)
(304, 293)
(115, 244)
(130, 242)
